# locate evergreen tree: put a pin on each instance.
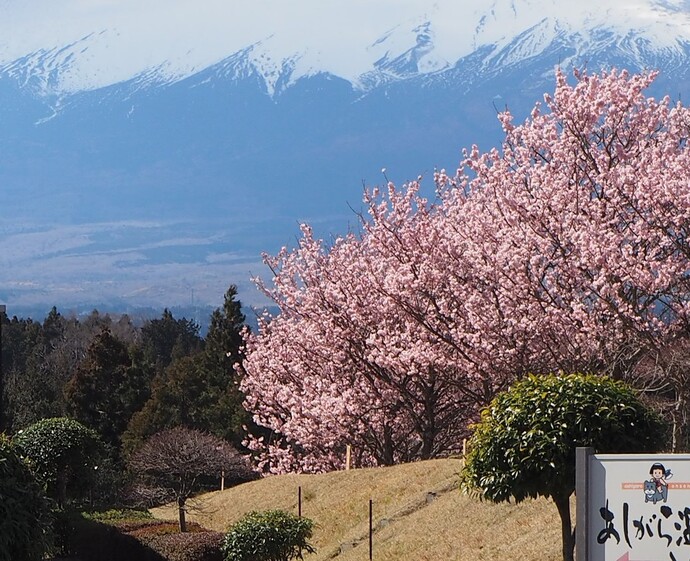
(107, 388)
(167, 338)
(200, 391)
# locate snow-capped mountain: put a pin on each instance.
(90, 45)
(151, 150)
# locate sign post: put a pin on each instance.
(632, 507)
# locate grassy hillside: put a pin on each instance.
(419, 515)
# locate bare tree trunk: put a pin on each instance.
(567, 535)
(680, 440)
(181, 510)
(388, 454)
(61, 487)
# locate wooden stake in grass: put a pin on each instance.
(371, 529)
(348, 457)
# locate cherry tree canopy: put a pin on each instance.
(565, 250)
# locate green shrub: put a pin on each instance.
(272, 535)
(526, 440)
(24, 511)
(63, 453)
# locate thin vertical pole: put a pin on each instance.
(299, 501)
(582, 506)
(348, 457)
(3, 310)
(371, 529)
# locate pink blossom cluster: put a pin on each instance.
(565, 250)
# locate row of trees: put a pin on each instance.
(566, 250)
(124, 381)
(104, 412)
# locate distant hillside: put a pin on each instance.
(419, 515)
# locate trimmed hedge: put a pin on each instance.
(190, 546)
(91, 540)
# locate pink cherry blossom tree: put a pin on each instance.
(565, 250)
(585, 211)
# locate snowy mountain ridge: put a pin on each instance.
(365, 43)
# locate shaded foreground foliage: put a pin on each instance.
(115, 536)
(24, 511)
(81, 395)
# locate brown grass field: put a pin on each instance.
(418, 511)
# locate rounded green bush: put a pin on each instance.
(525, 442)
(63, 453)
(24, 512)
(272, 535)
(524, 445)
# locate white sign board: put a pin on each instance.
(638, 507)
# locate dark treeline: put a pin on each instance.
(126, 382)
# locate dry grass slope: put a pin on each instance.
(419, 515)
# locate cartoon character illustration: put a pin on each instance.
(651, 494)
(656, 488)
